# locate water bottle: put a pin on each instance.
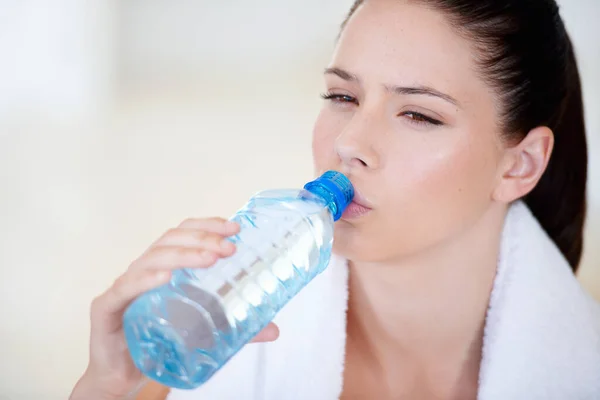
(180, 334)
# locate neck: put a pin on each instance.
(428, 310)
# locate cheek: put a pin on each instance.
(448, 169)
(437, 188)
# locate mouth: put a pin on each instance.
(359, 207)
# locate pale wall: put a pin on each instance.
(88, 179)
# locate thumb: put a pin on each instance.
(269, 334)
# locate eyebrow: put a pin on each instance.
(401, 90)
(345, 75)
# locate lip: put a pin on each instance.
(359, 206)
(360, 199)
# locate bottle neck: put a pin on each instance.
(335, 188)
(328, 197)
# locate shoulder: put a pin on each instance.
(542, 334)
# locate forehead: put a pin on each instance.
(396, 42)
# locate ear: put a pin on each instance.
(523, 165)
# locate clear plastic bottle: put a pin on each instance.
(181, 333)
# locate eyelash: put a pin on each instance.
(414, 117)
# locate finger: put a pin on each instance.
(183, 237)
(215, 225)
(269, 334)
(170, 257)
(107, 309)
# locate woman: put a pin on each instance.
(460, 123)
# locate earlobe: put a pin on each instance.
(525, 164)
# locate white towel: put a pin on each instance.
(541, 341)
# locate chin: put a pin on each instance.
(351, 244)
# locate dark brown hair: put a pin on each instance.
(525, 54)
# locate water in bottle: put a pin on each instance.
(181, 333)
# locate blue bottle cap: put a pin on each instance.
(335, 188)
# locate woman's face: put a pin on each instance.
(413, 125)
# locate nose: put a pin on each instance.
(354, 146)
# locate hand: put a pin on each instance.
(195, 243)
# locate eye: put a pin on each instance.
(420, 119)
(339, 98)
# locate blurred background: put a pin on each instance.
(118, 119)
